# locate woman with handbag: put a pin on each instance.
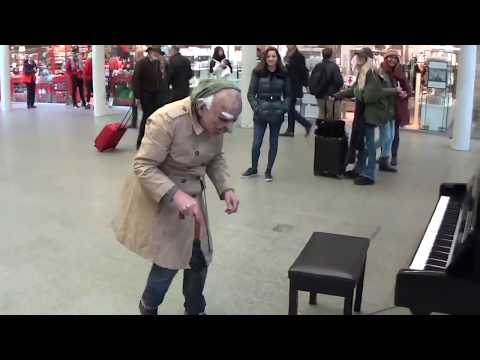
(269, 97)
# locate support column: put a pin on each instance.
(99, 95)
(6, 102)
(463, 113)
(249, 61)
(345, 58)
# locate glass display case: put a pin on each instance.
(438, 99)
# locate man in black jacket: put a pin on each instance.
(298, 75)
(150, 86)
(179, 74)
(326, 80)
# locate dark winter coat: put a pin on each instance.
(332, 77)
(179, 74)
(269, 95)
(297, 73)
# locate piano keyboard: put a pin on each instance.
(437, 243)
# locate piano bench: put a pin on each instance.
(329, 264)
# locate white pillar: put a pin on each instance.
(462, 122)
(249, 61)
(98, 72)
(345, 58)
(6, 102)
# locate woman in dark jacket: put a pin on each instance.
(402, 115)
(219, 58)
(269, 98)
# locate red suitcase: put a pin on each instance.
(111, 134)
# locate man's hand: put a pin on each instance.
(187, 205)
(232, 202)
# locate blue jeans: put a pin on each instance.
(387, 132)
(258, 133)
(367, 157)
(159, 281)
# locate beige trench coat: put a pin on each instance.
(175, 150)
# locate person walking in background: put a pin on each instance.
(298, 76)
(326, 80)
(88, 79)
(179, 74)
(74, 69)
(163, 212)
(393, 73)
(150, 85)
(220, 66)
(269, 97)
(30, 78)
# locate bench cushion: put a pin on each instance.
(331, 257)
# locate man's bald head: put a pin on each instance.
(226, 106)
(229, 101)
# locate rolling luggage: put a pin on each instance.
(112, 133)
(331, 147)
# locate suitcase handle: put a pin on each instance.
(125, 119)
(333, 107)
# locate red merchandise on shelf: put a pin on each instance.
(18, 89)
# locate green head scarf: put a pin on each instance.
(209, 87)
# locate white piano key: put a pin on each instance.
(428, 239)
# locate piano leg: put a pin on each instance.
(293, 300)
(347, 304)
(359, 290)
(419, 312)
(313, 298)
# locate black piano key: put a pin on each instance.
(440, 264)
(438, 255)
(443, 243)
(444, 249)
(433, 268)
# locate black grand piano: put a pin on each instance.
(444, 273)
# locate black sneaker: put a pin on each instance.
(144, 310)
(362, 180)
(249, 173)
(308, 130)
(287, 134)
(385, 166)
(268, 176)
(351, 174)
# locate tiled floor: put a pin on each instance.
(58, 254)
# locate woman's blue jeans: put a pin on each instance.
(367, 158)
(258, 132)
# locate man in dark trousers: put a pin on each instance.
(29, 77)
(298, 76)
(179, 74)
(150, 86)
(326, 80)
(74, 69)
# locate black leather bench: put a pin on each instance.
(329, 264)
